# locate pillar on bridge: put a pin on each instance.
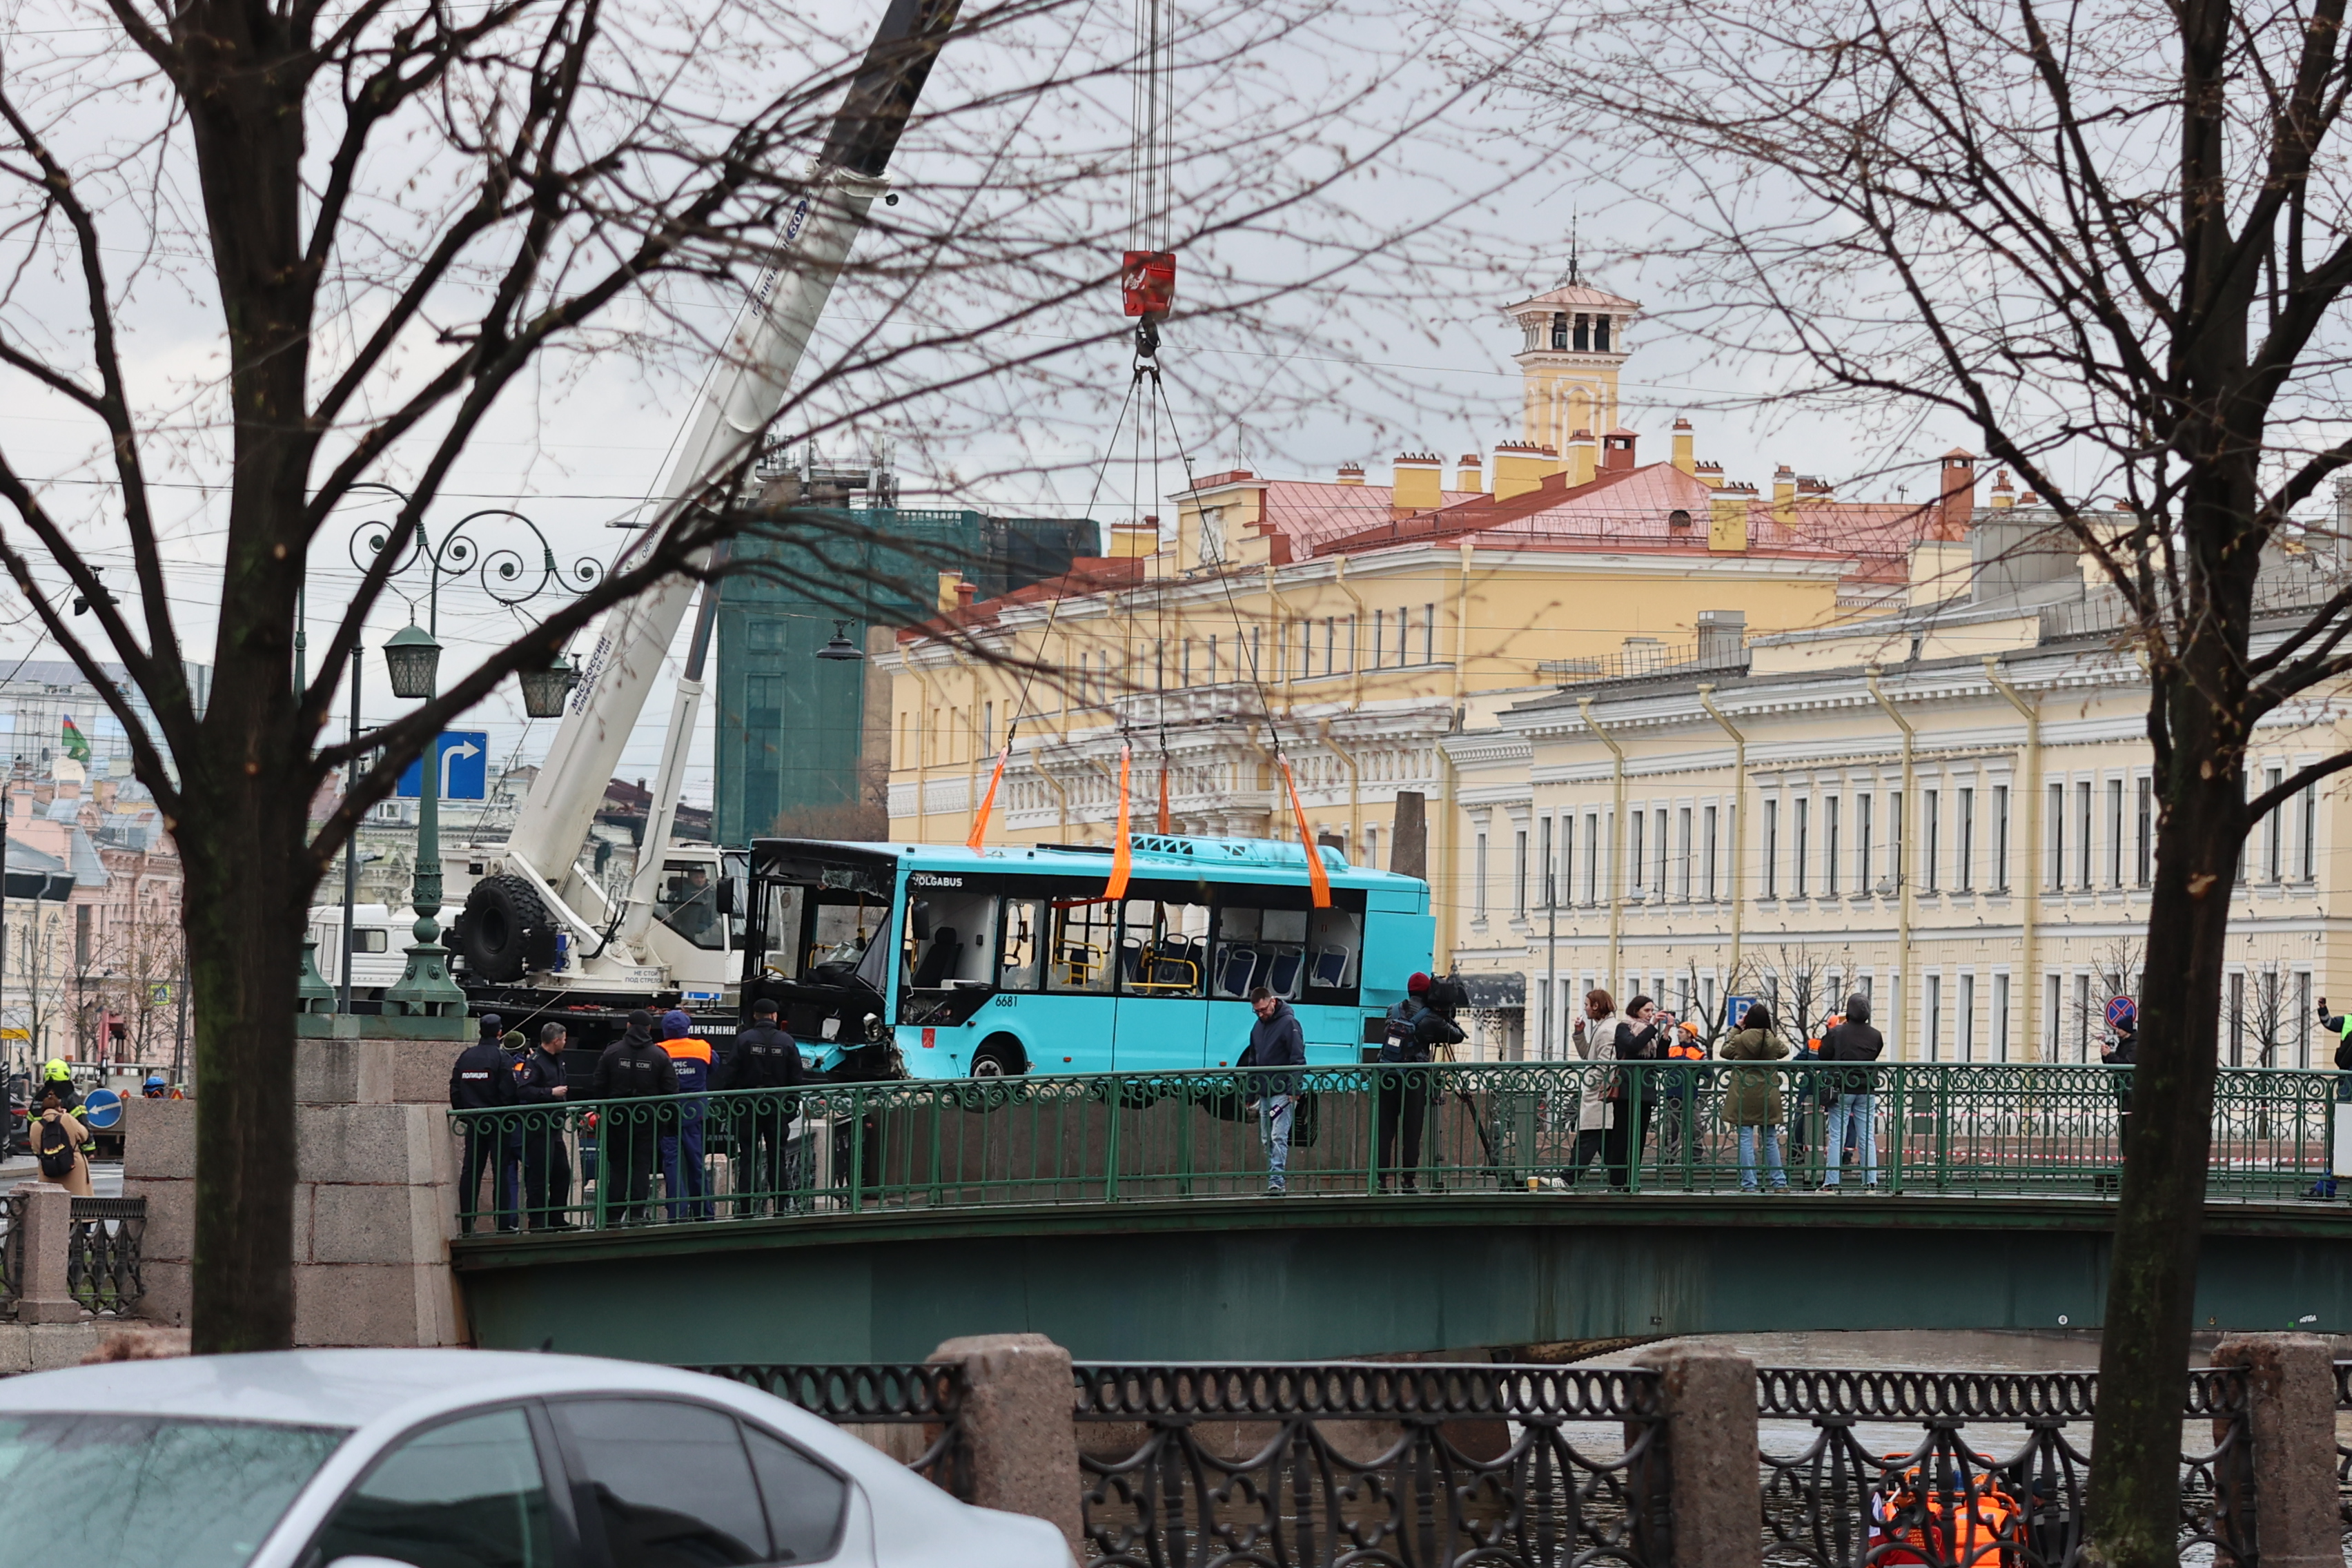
(2291, 1390)
(1714, 1477)
(1017, 1419)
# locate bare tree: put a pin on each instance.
(404, 223)
(2112, 240)
(2116, 970)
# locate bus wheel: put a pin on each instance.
(1000, 1056)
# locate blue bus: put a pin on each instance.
(963, 964)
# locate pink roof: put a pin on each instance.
(1568, 296)
(1312, 512)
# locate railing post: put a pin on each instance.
(2291, 1398)
(1018, 1421)
(44, 1295)
(1899, 1086)
(1714, 1490)
(1637, 1080)
(1115, 1104)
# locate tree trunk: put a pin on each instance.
(2134, 1483)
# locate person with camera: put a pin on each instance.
(1416, 1031)
(1641, 1036)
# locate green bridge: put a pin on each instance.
(1125, 1215)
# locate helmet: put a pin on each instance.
(57, 1072)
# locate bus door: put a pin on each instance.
(1163, 1002)
(1077, 1019)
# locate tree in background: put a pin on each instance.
(2113, 240)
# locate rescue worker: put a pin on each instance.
(153, 1089)
(684, 1179)
(1414, 1032)
(546, 1158)
(483, 1079)
(763, 1058)
(632, 1068)
(1678, 1091)
(2341, 1027)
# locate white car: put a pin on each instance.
(460, 1459)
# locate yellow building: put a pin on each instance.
(1352, 627)
(1949, 808)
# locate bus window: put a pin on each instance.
(1334, 940)
(1164, 950)
(1259, 947)
(1085, 939)
(1023, 927)
(951, 939)
(779, 923)
(846, 926)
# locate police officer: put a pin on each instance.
(632, 1068)
(546, 1161)
(763, 1057)
(684, 1178)
(483, 1079)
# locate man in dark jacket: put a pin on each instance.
(1856, 1087)
(1415, 1031)
(1276, 1041)
(632, 1068)
(546, 1158)
(483, 1079)
(761, 1065)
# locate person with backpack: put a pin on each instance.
(58, 1136)
(632, 1068)
(1415, 1032)
(1751, 1097)
(1854, 1107)
(763, 1063)
(482, 1079)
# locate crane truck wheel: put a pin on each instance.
(505, 931)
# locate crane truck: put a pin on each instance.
(538, 937)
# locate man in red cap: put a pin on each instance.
(1415, 1030)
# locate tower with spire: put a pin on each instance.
(1572, 346)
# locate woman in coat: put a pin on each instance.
(1751, 1096)
(1597, 1042)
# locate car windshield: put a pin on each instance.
(138, 1491)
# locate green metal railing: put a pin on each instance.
(1965, 1130)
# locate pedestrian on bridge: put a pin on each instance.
(1415, 1031)
(1641, 1037)
(1595, 1105)
(1276, 1041)
(632, 1068)
(766, 1059)
(546, 1161)
(1852, 1091)
(1751, 1096)
(482, 1079)
(686, 1182)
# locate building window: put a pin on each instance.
(2083, 1017)
(1658, 855)
(1519, 871)
(2055, 876)
(1184, 662)
(1964, 1034)
(2303, 1018)
(1600, 333)
(2083, 843)
(1591, 859)
(1429, 634)
(2145, 843)
(1935, 1017)
(1805, 826)
(1331, 645)
(2114, 833)
(2001, 836)
(1478, 878)
(1559, 330)
(2307, 836)
(1864, 806)
(1380, 648)
(2000, 1017)
(1964, 870)
(1212, 660)
(1545, 894)
(1894, 841)
(1931, 825)
(2236, 1013)
(1709, 850)
(1771, 848)
(2274, 850)
(2054, 1022)
(1637, 823)
(1584, 333)
(1683, 854)
(1404, 628)
(1830, 847)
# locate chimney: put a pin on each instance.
(1726, 518)
(1810, 488)
(948, 598)
(1466, 475)
(1617, 451)
(1686, 448)
(1580, 460)
(1709, 474)
(965, 593)
(1784, 494)
(2004, 495)
(1133, 540)
(1352, 473)
(1959, 490)
(1721, 635)
(1520, 466)
(1420, 483)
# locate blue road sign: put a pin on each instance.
(101, 1108)
(464, 767)
(1735, 1010)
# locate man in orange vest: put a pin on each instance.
(684, 1181)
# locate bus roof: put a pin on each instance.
(1238, 859)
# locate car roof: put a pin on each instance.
(348, 1388)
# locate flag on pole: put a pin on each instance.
(1122, 855)
(76, 743)
(988, 801)
(1317, 880)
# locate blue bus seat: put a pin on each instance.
(1131, 961)
(933, 970)
(1239, 972)
(1330, 968)
(1282, 976)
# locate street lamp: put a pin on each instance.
(840, 646)
(544, 690)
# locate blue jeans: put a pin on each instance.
(1861, 1111)
(1274, 1114)
(1771, 1139)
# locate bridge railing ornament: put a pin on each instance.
(926, 1395)
(1663, 1128)
(1371, 1463)
(1994, 1472)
